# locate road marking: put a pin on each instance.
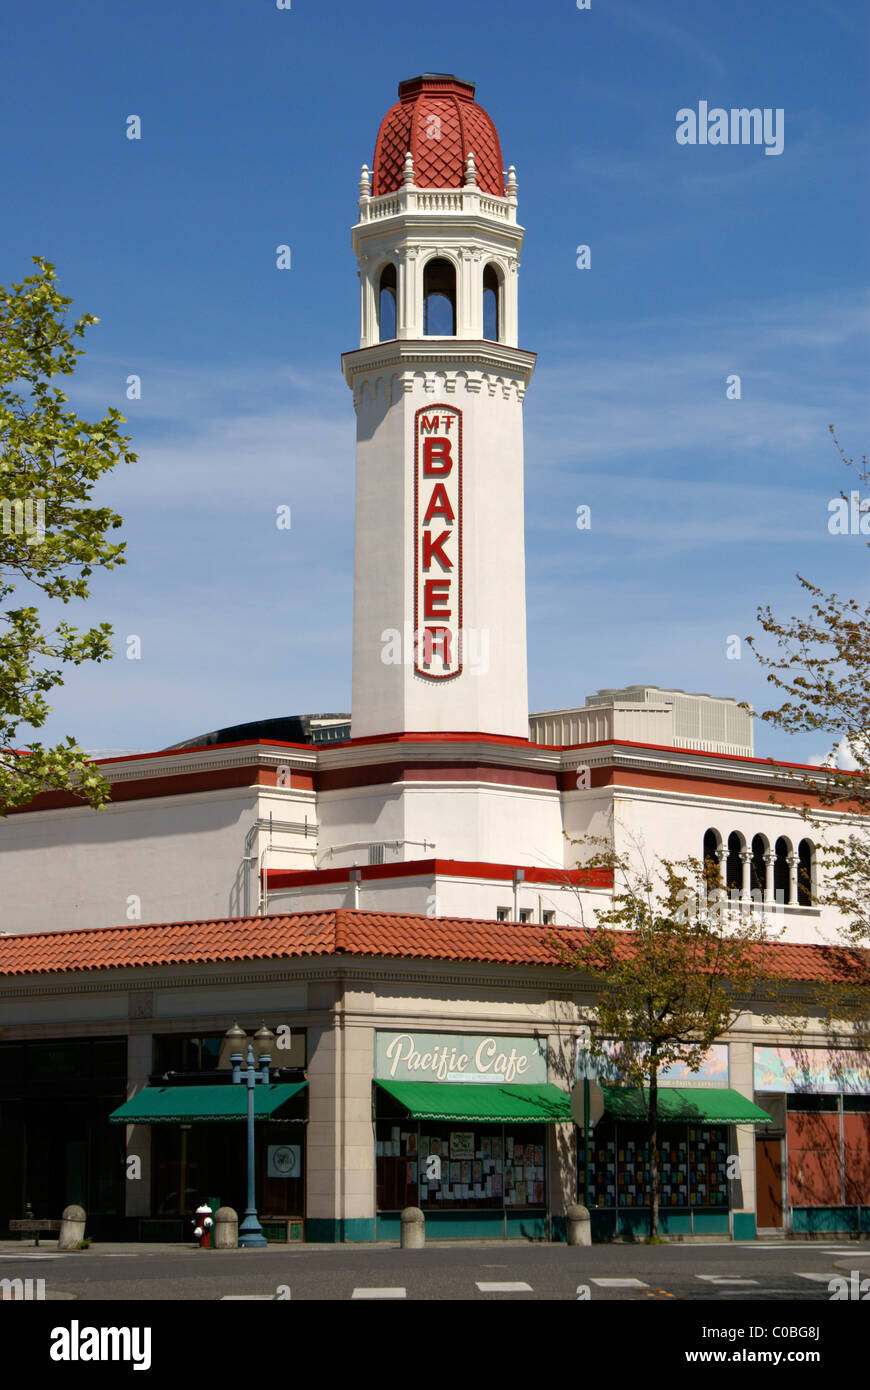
(505, 1288)
(247, 1297)
(620, 1283)
(726, 1279)
(33, 1257)
(818, 1278)
(379, 1293)
(756, 1293)
(834, 1250)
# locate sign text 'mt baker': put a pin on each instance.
(439, 1057)
(438, 541)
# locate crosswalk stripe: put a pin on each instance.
(505, 1288)
(379, 1293)
(620, 1283)
(726, 1279)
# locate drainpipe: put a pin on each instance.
(519, 877)
(355, 876)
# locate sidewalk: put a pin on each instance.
(121, 1247)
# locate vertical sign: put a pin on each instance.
(438, 541)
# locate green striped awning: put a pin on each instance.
(703, 1105)
(488, 1103)
(172, 1105)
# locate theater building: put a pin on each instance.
(383, 883)
(394, 1038)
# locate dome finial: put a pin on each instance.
(470, 171)
(408, 175)
(511, 189)
(365, 183)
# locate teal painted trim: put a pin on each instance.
(526, 1227)
(471, 1225)
(388, 1227)
(461, 1225)
(603, 1223)
(635, 1223)
(744, 1225)
(359, 1229)
(813, 1219)
(323, 1230)
(715, 1223)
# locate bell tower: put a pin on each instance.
(438, 383)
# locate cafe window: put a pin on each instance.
(693, 1166)
(480, 1166)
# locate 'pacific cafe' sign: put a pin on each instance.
(438, 541)
(460, 1057)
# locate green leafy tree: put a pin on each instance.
(676, 962)
(820, 663)
(51, 536)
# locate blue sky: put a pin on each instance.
(705, 261)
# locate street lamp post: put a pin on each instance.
(250, 1231)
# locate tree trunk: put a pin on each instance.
(653, 1148)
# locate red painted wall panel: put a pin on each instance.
(856, 1134)
(814, 1160)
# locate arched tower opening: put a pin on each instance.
(492, 310)
(439, 298)
(387, 303)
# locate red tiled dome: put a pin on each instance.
(438, 120)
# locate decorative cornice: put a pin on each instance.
(439, 354)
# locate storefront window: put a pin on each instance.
(184, 1054)
(195, 1162)
(482, 1167)
(693, 1166)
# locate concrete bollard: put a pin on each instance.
(72, 1228)
(226, 1229)
(579, 1226)
(413, 1229)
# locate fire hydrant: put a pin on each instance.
(204, 1223)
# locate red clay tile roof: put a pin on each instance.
(355, 933)
(438, 120)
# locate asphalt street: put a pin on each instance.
(719, 1273)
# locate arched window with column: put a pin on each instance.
(492, 287)
(806, 866)
(387, 296)
(781, 875)
(734, 864)
(758, 872)
(439, 298)
(712, 857)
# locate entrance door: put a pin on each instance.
(768, 1182)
